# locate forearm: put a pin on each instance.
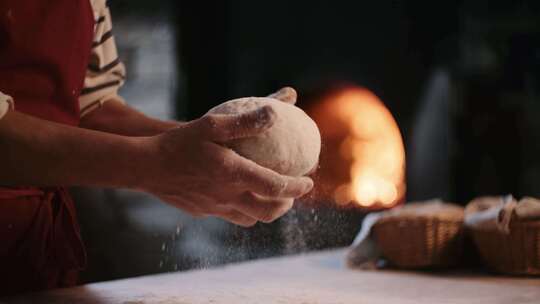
(117, 118)
(35, 152)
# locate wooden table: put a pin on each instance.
(312, 278)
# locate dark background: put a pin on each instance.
(460, 77)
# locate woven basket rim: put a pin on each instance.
(534, 224)
(418, 218)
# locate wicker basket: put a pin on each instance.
(420, 241)
(516, 252)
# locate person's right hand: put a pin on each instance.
(191, 170)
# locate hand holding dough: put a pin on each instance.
(290, 147)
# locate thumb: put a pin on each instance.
(225, 127)
(285, 94)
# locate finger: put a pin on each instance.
(235, 217)
(183, 204)
(264, 181)
(221, 211)
(286, 94)
(263, 209)
(224, 127)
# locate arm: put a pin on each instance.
(117, 118)
(57, 154)
(186, 166)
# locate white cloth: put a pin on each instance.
(6, 103)
(497, 212)
(364, 252)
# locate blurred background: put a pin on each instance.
(460, 78)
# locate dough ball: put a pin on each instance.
(290, 147)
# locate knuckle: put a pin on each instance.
(210, 125)
(233, 174)
(277, 187)
(221, 160)
(209, 121)
(228, 165)
(227, 154)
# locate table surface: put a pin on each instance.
(304, 279)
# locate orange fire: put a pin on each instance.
(358, 130)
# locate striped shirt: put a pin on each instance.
(105, 73)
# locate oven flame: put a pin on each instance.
(372, 144)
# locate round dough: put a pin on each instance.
(291, 146)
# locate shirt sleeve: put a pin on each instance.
(105, 73)
(6, 103)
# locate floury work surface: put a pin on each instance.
(310, 278)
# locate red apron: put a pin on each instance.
(44, 51)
